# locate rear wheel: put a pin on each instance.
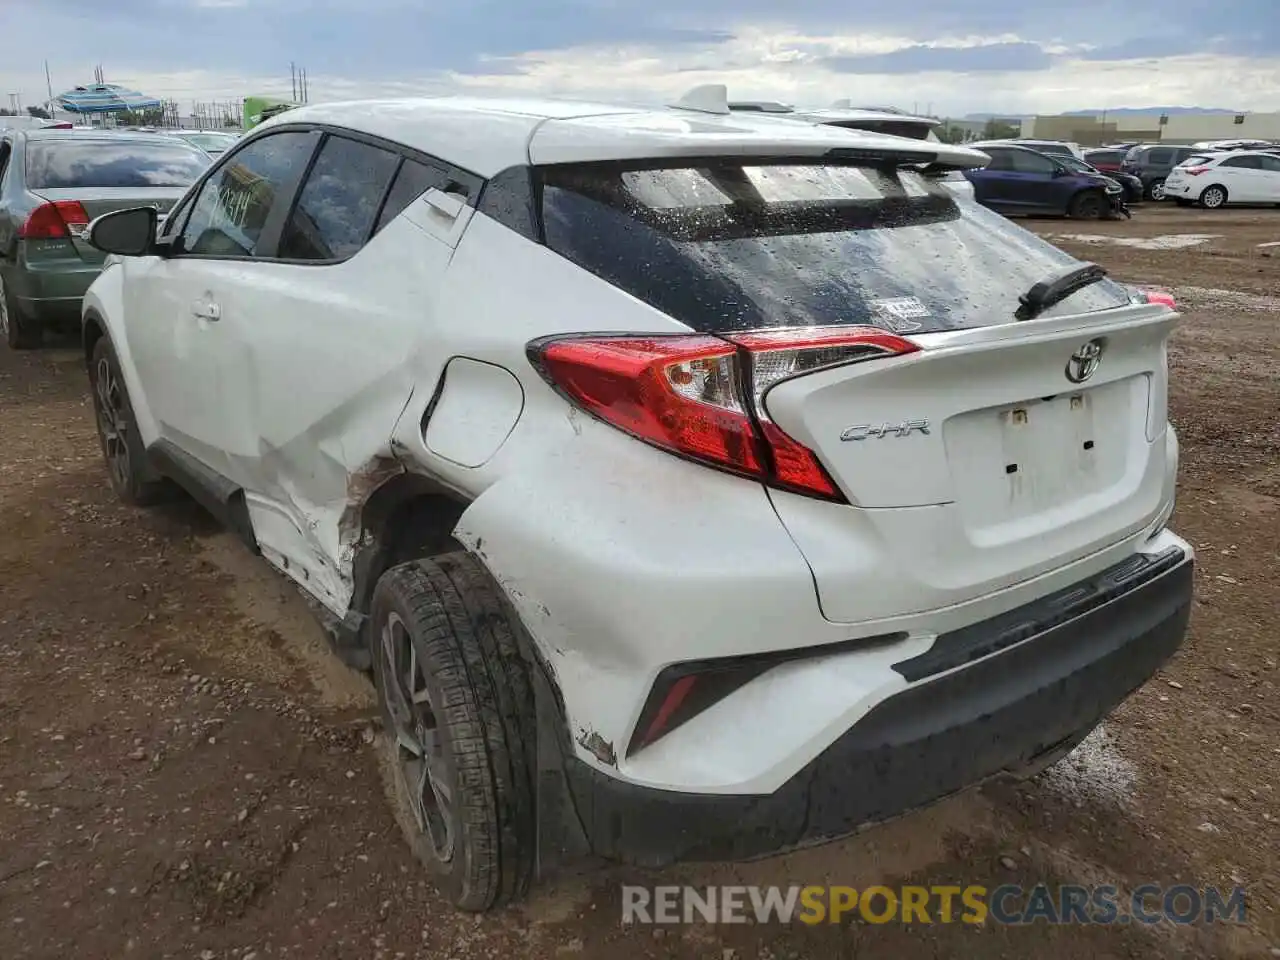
(19, 332)
(1155, 189)
(1087, 206)
(458, 705)
(1213, 197)
(132, 478)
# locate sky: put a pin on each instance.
(948, 57)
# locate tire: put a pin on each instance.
(19, 332)
(1214, 197)
(1087, 205)
(1155, 189)
(132, 477)
(455, 687)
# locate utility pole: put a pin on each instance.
(48, 83)
(293, 80)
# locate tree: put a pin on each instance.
(40, 113)
(999, 130)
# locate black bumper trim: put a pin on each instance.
(936, 738)
(978, 640)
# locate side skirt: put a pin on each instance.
(220, 496)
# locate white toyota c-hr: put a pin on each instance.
(695, 485)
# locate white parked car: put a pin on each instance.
(695, 485)
(1214, 180)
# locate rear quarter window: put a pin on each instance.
(61, 164)
(741, 246)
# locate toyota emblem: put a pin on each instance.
(1084, 362)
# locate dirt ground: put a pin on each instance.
(186, 772)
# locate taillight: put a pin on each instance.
(1161, 297)
(54, 221)
(1195, 171)
(702, 397)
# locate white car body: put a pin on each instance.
(971, 479)
(1233, 176)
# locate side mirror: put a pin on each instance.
(130, 233)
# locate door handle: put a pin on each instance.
(206, 310)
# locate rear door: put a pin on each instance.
(316, 336)
(1243, 177)
(1270, 179)
(1034, 185)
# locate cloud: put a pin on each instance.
(925, 58)
(1005, 56)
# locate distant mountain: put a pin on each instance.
(1110, 112)
(1129, 111)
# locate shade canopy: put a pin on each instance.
(105, 98)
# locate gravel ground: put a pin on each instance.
(186, 772)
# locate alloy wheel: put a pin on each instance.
(1157, 190)
(1213, 198)
(113, 423)
(419, 739)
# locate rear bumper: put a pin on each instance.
(51, 289)
(960, 725)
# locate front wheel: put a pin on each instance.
(1213, 197)
(458, 704)
(132, 478)
(1086, 206)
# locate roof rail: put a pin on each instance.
(708, 98)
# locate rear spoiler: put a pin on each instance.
(930, 162)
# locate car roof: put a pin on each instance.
(488, 135)
(87, 135)
(837, 115)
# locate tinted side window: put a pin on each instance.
(1160, 157)
(228, 216)
(413, 180)
(336, 209)
(6, 151)
(1270, 163)
(1028, 161)
(1249, 163)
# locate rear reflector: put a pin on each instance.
(702, 397)
(54, 221)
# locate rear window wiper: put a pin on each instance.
(1046, 293)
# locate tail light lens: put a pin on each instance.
(1195, 171)
(702, 397)
(55, 221)
(1161, 297)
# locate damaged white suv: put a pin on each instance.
(695, 485)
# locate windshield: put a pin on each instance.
(58, 164)
(739, 246)
(210, 141)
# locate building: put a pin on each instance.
(1092, 131)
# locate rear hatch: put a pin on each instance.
(998, 450)
(104, 175)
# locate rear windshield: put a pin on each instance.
(738, 246)
(1104, 156)
(59, 164)
(1195, 160)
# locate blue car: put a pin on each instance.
(1023, 181)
